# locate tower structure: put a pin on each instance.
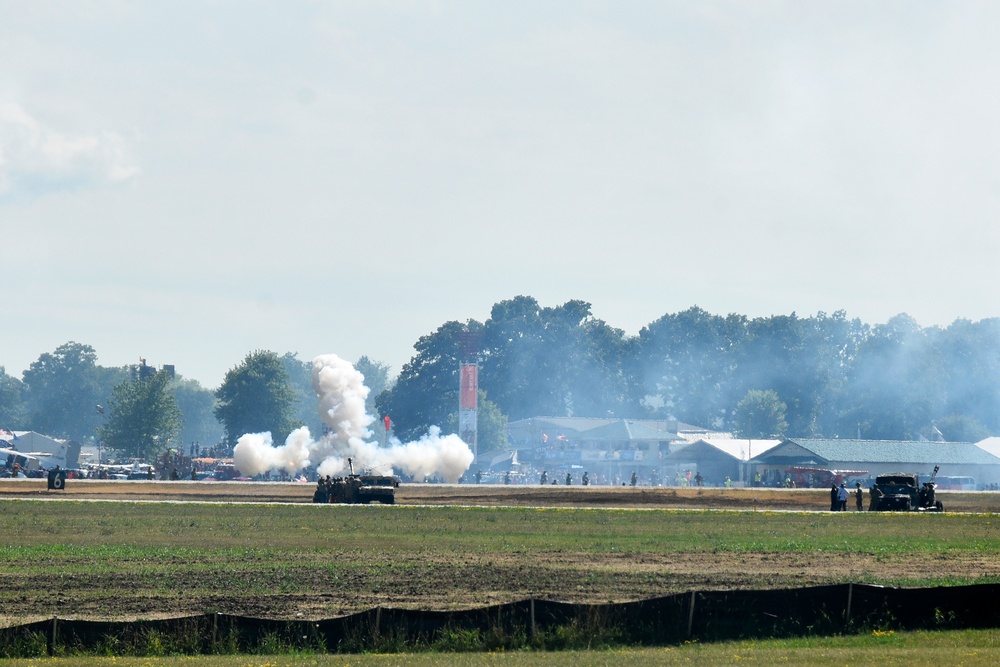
(468, 390)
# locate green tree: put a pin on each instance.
(558, 361)
(896, 382)
(491, 425)
(376, 379)
(760, 414)
(515, 367)
(961, 428)
(426, 392)
(688, 360)
(62, 389)
(142, 417)
(971, 351)
(196, 405)
(256, 397)
(12, 408)
(304, 410)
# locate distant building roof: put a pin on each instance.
(27, 440)
(582, 424)
(878, 451)
(741, 450)
(991, 445)
(627, 430)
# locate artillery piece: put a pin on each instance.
(902, 492)
(357, 489)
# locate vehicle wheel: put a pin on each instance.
(939, 506)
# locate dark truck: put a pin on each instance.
(364, 489)
(357, 489)
(902, 492)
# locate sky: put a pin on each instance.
(188, 182)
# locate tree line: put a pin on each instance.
(782, 375)
(817, 376)
(139, 412)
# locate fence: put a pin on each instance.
(696, 615)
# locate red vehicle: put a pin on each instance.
(225, 472)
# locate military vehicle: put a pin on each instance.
(358, 489)
(902, 492)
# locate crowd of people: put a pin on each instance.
(578, 475)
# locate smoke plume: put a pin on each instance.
(341, 394)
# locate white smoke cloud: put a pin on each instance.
(35, 156)
(341, 393)
(255, 454)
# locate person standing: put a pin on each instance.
(875, 495)
(842, 495)
(859, 496)
(833, 497)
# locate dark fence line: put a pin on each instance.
(697, 615)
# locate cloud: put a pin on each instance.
(35, 158)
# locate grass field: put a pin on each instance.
(972, 648)
(111, 560)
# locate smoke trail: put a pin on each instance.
(341, 394)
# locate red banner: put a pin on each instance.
(470, 386)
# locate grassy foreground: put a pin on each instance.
(110, 560)
(954, 648)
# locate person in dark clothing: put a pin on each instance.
(833, 498)
(875, 496)
(859, 496)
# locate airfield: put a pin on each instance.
(486, 495)
(146, 549)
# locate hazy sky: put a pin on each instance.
(191, 181)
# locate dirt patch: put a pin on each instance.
(470, 582)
